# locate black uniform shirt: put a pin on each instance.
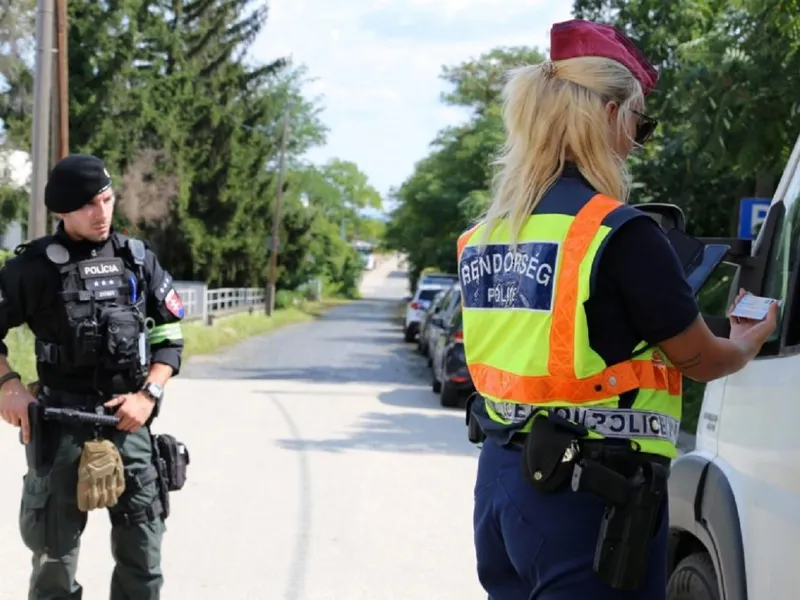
(29, 294)
(640, 293)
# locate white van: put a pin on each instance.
(735, 499)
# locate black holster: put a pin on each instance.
(37, 444)
(44, 438)
(475, 433)
(171, 459)
(634, 508)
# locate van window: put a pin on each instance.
(784, 251)
(783, 255)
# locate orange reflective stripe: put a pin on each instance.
(464, 238)
(615, 380)
(561, 363)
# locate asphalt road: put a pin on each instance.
(322, 468)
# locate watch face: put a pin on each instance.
(154, 390)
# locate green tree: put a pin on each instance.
(322, 202)
(449, 188)
(478, 83)
(16, 44)
(191, 130)
(726, 99)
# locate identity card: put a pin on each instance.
(752, 307)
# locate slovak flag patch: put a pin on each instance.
(174, 304)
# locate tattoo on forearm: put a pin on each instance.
(689, 363)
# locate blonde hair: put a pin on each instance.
(553, 111)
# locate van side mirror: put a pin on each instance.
(668, 216)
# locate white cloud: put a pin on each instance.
(377, 64)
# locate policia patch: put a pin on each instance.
(102, 276)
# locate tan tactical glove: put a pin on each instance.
(101, 477)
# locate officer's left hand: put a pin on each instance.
(133, 410)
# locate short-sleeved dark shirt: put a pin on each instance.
(639, 292)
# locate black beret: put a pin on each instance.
(74, 181)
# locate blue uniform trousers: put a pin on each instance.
(535, 546)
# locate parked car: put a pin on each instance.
(419, 303)
(444, 279)
(433, 308)
(433, 329)
(450, 376)
(734, 501)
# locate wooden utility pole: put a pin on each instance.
(60, 100)
(276, 219)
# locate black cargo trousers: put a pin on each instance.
(51, 523)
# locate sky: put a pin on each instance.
(375, 65)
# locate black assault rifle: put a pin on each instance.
(38, 414)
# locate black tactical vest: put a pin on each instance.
(104, 307)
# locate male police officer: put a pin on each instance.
(106, 320)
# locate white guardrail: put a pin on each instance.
(201, 303)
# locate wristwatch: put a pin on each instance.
(156, 392)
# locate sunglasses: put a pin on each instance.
(645, 127)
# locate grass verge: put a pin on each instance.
(226, 331)
(199, 338)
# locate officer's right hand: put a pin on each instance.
(756, 332)
(14, 401)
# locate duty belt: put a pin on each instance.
(61, 398)
(608, 422)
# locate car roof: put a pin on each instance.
(433, 286)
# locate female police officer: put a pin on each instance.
(575, 303)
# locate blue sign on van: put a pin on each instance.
(752, 213)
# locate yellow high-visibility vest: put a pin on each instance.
(526, 338)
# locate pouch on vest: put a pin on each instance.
(122, 337)
(101, 476)
(549, 452)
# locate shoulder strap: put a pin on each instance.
(129, 248)
(38, 246)
(137, 250)
(133, 253)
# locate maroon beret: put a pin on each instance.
(576, 38)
